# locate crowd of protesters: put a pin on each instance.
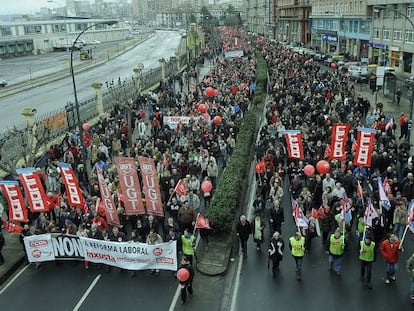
(191, 152)
(307, 96)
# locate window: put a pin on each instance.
(80, 27)
(29, 29)
(388, 14)
(377, 33)
(397, 35)
(387, 34)
(5, 31)
(409, 36)
(410, 12)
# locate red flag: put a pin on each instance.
(370, 214)
(33, 188)
(14, 197)
(181, 187)
(260, 167)
(202, 222)
(111, 213)
(359, 190)
(129, 186)
(294, 144)
(152, 189)
(11, 227)
(387, 187)
(73, 191)
(338, 141)
(365, 145)
(315, 213)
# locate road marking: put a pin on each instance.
(13, 279)
(90, 288)
(236, 284)
(175, 299)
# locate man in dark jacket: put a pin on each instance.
(276, 248)
(277, 217)
(186, 286)
(243, 232)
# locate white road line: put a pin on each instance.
(13, 279)
(236, 284)
(90, 288)
(175, 299)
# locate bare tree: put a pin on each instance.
(21, 148)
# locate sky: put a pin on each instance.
(26, 6)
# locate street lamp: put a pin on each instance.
(64, 20)
(109, 23)
(376, 9)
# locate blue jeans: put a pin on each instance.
(390, 269)
(335, 261)
(399, 230)
(412, 287)
(298, 261)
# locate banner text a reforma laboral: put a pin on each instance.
(125, 255)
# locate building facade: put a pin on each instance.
(33, 37)
(340, 27)
(392, 42)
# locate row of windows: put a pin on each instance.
(355, 26)
(33, 29)
(396, 35)
(392, 12)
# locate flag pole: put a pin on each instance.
(403, 237)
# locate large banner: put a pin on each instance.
(294, 144)
(111, 213)
(152, 189)
(129, 186)
(364, 146)
(338, 142)
(125, 255)
(74, 194)
(131, 255)
(33, 188)
(14, 197)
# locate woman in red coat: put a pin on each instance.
(390, 248)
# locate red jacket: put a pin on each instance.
(390, 251)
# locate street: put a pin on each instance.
(319, 289)
(57, 94)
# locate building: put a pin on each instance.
(33, 37)
(341, 27)
(293, 21)
(392, 42)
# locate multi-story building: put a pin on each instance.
(256, 16)
(341, 27)
(392, 42)
(293, 21)
(20, 38)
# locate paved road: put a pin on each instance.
(319, 289)
(56, 94)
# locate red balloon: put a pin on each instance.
(216, 92)
(85, 126)
(309, 170)
(206, 186)
(217, 120)
(323, 167)
(183, 274)
(333, 65)
(202, 108)
(209, 91)
(206, 116)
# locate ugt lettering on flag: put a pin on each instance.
(294, 144)
(364, 146)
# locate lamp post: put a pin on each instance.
(378, 8)
(64, 20)
(72, 73)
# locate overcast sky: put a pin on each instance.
(27, 6)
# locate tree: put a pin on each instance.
(22, 148)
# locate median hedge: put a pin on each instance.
(230, 193)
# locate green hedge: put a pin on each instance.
(230, 192)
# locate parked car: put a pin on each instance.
(409, 82)
(358, 74)
(95, 42)
(3, 83)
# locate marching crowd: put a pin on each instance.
(302, 96)
(331, 205)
